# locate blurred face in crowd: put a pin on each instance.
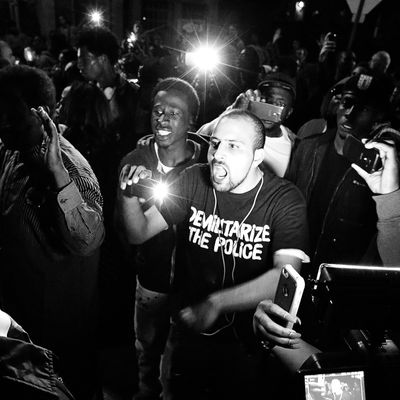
(359, 69)
(20, 129)
(380, 62)
(278, 97)
(355, 117)
(330, 105)
(90, 65)
(170, 118)
(6, 53)
(232, 31)
(231, 155)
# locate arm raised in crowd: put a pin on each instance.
(241, 102)
(79, 212)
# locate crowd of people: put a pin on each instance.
(258, 179)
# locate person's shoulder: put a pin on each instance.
(127, 84)
(200, 149)
(198, 169)
(196, 175)
(75, 163)
(281, 187)
(143, 153)
(288, 133)
(312, 127)
(310, 143)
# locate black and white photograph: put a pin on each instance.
(199, 199)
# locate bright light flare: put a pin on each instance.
(29, 54)
(160, 191)
(132, 37)
(300, 6)
(204, 58)
(96, 17)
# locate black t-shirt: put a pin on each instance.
(154, 258)
(226, 239)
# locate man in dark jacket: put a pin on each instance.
(341, 212)
(98, 50)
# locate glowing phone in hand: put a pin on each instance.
(289, 293)
(266, 111)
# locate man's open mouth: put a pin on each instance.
(219, 172)
(163, 132)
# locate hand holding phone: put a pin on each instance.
(385, 180)
(289, 292)
(330, 36)
(272, 333)
(367, 159)
(266, 111)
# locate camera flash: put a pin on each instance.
(160, 191)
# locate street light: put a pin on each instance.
(300, 6)
(96, 17)
(204, 58)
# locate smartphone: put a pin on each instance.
(355, 151)
(142, 189)
(289, 292)
(266, 111)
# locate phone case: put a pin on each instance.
(265, 111)
(368, 159)
(289, 291)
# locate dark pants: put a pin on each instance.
(213, 367)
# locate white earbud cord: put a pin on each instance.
(230, 322)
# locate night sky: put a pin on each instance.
(378, 31)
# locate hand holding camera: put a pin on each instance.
(386, 179)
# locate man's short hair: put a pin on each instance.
(99, 40)
(21, 84)
(259, 129)
(179, 85)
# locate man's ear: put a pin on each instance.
(191, 121)
(288, 113)
(258, 156)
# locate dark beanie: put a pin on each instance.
(278, 79)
